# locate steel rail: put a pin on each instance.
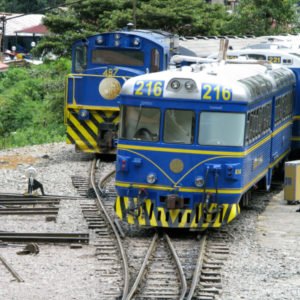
(29, 211)
(11, 270)
(45, 237)
(121, 248)
(28, 202)
(101, 183)
(179, 267)
(39, 197)
(143, 267)
(198, 267)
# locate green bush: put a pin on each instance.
(32, 104)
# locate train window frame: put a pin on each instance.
(218, 143)
(179, 126)
(80, 66)
(138, 131)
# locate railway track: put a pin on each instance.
(147, 265)
(113, 271)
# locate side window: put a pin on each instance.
(155, 60)
(283, 108)
(80, 59)
(258, 123)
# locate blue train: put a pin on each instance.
(287, 57)
(194, 141)
(100, 66)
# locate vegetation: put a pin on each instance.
(31, 100)
(263, 17)
(26, 6)
(185, 17)
(31, 104)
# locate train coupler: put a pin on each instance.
(174, 201)
(136, 209)
(107, 133)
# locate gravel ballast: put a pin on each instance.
(264, 252)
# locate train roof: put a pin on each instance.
(288, 57)
(244, 82)
(156, 36)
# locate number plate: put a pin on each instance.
(214, 92)
(152, 88)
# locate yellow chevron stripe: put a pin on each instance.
(86, 135)
(76, 138)
(234, 211)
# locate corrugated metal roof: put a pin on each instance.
(16, 24)
(35, 29)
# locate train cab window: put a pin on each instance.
(222, 129)
(257, 56)
(155, 60)
(118, 57)
(140, 123)
(179, 126)
(80, 59)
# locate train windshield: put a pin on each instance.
(222, 129)
(140, 123)
(118, 57)
(179, 126)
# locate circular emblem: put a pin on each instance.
(176, 165)
(109, 88)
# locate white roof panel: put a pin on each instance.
(19, 23)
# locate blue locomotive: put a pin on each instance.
(100, 66)
(194, 141)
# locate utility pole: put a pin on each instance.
(134, 14)
(3, 23)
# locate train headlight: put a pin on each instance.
(189, 85)
(117, 36)
(199, 181)
(175, 84)
(99, 40)
(136, 42)
(117, 43)
(83, 114)
(151, 178)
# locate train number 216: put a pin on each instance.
(149, 88)
(216, 92)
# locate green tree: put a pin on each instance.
(26, 6)
(263, 17)
(185, 17)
